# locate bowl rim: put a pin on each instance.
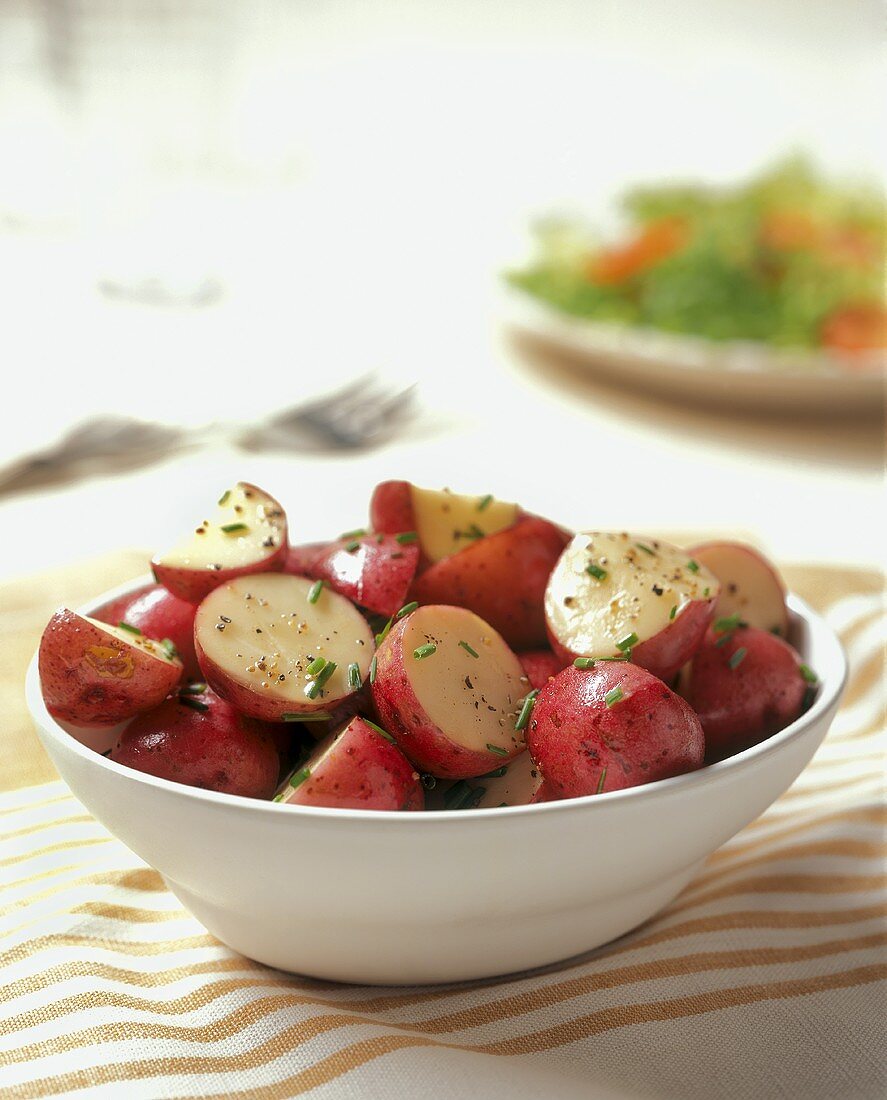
(831, 686)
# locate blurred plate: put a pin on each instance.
(745, 374)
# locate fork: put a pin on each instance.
(357, 416)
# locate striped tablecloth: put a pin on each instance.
(765, 978)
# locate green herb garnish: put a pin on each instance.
(456, 796)
(223, 499)
(484, 502)
(358, 534)
(596, 571)
(307, 716)
(647, 549)
(233, 528)
(168, 647)
(601, 781)
(497, 750)
(614, 696)
(192, 689)
(132, 629)
(468, 649)
(673, 612)
(385, 631)
(379, 730)
(584, 662)
(729, 622)
(406, 609)
(723, 640)
(738, 657)
(627, 642)
(423, 651)
(194, 704)
(314, 591)
(373, 670)
(316, 666)
(354, 680)
(526, 710)
(299, 777)
(693, 566)
(406, 537)
(496, 773)
(350, 547)
(808, 674)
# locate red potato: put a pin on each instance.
(358, 768)
(449, 689)
(540, 665)
(745, 685)
(279, 647)
(445, 522)
(93, 674)
(518, 786)
(750, 585)
(502, 578)
(299, 558)
(391, 508)
(611, 727)
(248, 534)
(158, 614)
(614, 593)
(375, 571)
(202, 741)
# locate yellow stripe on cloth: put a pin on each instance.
(766, 977)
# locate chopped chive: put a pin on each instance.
(468, 649)
(168, 647)
(406, 537)
(809, 698)
(278, 797)
(192, 689)
(308, 716)
(673, 612)
(315, 666)
(496, 773)
(497, 750)
(380, 539)
(373, 670)
(223, 499)
(233, 528)
(314, 591)
(614, 696)
(379, 730)
(358, 534)
(777, 630)
(423, 651)
(723, 640)
(706, 592)
(131, 629)
(526, 710)
(350, 547)
(693, 566)
(729, 622)
(456, 795)
(194, 704)
(473, 532)
(325, 673)
(313, 690)
(354, 680)
(621, 657)
(601, 781)
(627, 642)
(384, 632)
(406, 609)
(299, 777)
(596, 571)
(808, 674)
(738, 657)
(484, 502)
(584, 662)
(647, 549)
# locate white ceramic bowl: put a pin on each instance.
(363, 896)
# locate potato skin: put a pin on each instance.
(732, 562)
(650, 734)
(217, 749)
(501, 578)
(391, 508)
(92, 678)
(402, 715)
(741, 706)
(362, 771)
(540, 665)
(376, 575)
(158, 614)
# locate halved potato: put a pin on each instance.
(93, 674)
(614, 594)
(449, 689)
(279, 647)
(750, 585)
(247, 534)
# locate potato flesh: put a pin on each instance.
(448, 522)
(515, 788)
(131, 638)
(210, 545)
(590, 616)
(473, 700)
(749, 587)
(273, 632)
